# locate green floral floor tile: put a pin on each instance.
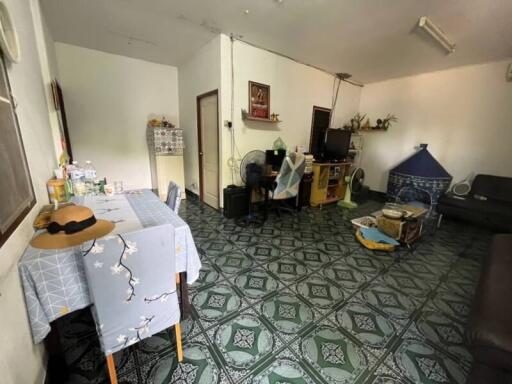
(267, 232)
(286, 242)
(287, 269)
(333, 356)
(197, 367)
(423, 269)
(233, 263)
(332, 247)
(256, 284)
(452, 305)
(216, 247)
(299, 300)
(371, 328)
(423, 364)
(207, 275)
(395, 304)
(215, 303)
(243, 342)
(285, 367)
(244, 239)
(311, 257)
(385, 375)
(320, 293)
(346, 277)
(370, 265)
(287, 313)
(406, 283)
(443, 332)
(263, 252)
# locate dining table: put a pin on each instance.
(54, 281)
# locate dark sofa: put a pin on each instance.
(490, 325)
(489, 203)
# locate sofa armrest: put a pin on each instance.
(490, 325)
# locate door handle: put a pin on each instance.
(200, 153)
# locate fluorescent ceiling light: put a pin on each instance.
(436, 33)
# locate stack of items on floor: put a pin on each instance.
(389, 227)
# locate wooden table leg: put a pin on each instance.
(186, 308)
(111, 369)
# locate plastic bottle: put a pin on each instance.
(89, 177)
(77, 178)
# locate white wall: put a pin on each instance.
(108, 101)
(48, 59)
(294, 89)
(464, 114)
(198, 75)
(20, 360)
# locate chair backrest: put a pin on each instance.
(132, 284)
(173, 196)
(289, 176)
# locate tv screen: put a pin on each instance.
(337, 144)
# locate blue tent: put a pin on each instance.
(420, 172)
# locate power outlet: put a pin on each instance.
(509, 72)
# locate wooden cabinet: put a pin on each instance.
(329, 183)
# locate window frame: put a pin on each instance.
(16, 126)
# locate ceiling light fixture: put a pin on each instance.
(436, 33)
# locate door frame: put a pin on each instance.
(200, 144)
(316, 108)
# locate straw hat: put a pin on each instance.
(70, 226)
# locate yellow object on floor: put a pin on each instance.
(373, 245)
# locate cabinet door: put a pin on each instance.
(320, 182)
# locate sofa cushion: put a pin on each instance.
(490, 325)
(492, 187)
(488, 207)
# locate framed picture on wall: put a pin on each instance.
(259, 100)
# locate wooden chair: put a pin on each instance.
(173, 200)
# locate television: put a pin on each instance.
(336, 144)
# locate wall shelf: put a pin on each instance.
(245, 116)
(373, 130)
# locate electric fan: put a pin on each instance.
(462, 188)
(355, 185)
(254, 157)
(251, 170)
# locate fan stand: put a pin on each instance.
(251, 219)
(347, 200)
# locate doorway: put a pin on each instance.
(208, 145)
(319, 124)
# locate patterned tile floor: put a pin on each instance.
(301, 301)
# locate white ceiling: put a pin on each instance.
(371, 39)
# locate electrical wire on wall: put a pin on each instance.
(233, 160)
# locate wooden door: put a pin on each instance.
(208, 136)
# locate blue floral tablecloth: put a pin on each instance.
(54, 281)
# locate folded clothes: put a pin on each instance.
(374, 234)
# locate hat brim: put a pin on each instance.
(61, 240)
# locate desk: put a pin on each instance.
(54, 281)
